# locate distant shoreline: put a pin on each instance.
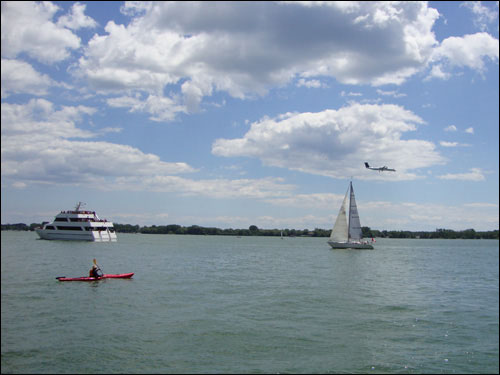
(253, 230)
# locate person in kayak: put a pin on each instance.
(95, 271)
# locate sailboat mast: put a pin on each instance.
(349, 215)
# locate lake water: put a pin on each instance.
(210, 304)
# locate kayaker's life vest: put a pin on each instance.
(94, 272)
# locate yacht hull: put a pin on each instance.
(350, 245)
(95, 236)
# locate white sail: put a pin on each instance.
(355, 232)
(339, 232)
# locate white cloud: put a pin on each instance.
(310, 201)
(484, 15)
(76, 19)
(343, 94)
(448, 144)
(42, 144)
(452, 144)
(437, 72)
(194, 91)
(19, 77)
(207, 48)
(204, 48)
(428, 216)
(161, 108)
(28, 27)
(38, 119)
(214, 188)
(134, 8)
(451, 128)
(336, 142)
(394, 94)
(481, 205)
(38, 146)
(311, 83)
(469, 130)
(475, 174)
(467, 51)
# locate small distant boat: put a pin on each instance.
(105, 276)
(78, 225)
(348, 234)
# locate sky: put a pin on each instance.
(231, 114)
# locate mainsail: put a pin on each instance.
(340, 232)
(355, 232)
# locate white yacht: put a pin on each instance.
(78, 225)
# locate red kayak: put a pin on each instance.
(105, 276)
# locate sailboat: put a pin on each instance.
(347, 234)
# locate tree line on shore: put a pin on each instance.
(253, 230)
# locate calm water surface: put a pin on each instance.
(210, 304)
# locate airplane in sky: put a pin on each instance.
(380, 169)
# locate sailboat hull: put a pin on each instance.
(350, 245)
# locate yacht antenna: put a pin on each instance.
(77, 208)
